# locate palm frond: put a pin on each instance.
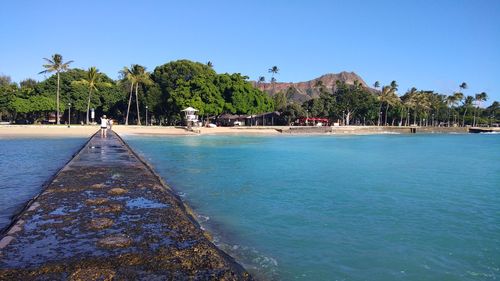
(49, 60)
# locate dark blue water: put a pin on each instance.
(394, 207)
(25, 164)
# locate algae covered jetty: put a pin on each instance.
(106, 215)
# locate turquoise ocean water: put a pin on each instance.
(25, 164)
(387, 207)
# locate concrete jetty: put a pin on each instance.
(360, 130)
(107, 216)
(477, 130)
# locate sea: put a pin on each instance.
(25, 165)
(379, 207)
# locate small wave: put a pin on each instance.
(202, 218)
(262, 266)
(181, 194)
(389, 133)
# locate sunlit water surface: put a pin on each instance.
(25, 164)
(391, 207)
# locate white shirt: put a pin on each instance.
(104, 122)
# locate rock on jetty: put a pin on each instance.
(107, 216)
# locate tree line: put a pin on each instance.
(170, 87)
(165, 91)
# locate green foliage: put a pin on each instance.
(292, 112)
(353, 101)
(184, 83)
(8, 92)
(178, 84)
(48, 87)
(280, 101)
(33, 104)
(240, 96)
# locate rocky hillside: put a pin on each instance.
(303, 91)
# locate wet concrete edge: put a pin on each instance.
(191, 215)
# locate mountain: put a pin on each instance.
(303, 91)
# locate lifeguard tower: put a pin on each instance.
(191, 116)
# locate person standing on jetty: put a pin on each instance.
(110, 123)
(104, 126)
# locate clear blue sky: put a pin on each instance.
(428, 44)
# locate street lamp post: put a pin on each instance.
(69, 114)
(146, 115)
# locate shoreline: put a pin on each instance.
(46, 131)
(30, 131)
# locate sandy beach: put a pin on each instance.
(156, 130)
(7, 131)
(87, 131)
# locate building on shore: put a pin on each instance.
(263, 119)
(313, 121)
(191, 117)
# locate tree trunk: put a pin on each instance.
(474, 122)
(137, 102)
(88, 105)
(129, 102)
(379, 119)
(449, 113)
(347, 117)
(463, 119)
(437, 117)
(57, 101)
(386, 109)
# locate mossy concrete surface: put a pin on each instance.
(107, 216)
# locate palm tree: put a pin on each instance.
(442, 101)
(463, 86)
(128, 74)
(408, 102)
(273, 80)
(91, 81)
(389, 97)
(274, 70)
(458, 97)
(56, 65)
(261, 80)
(479, 98)
(422, 102)
(394, 85)
(376, 85)
(141, 77)
(467, 103)
(450, 101)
